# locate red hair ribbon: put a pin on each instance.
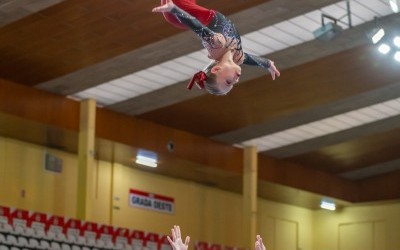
(199, 79)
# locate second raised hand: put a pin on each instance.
(176, 241)
(259, 245)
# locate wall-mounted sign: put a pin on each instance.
(151, 201)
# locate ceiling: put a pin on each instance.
(335, 108)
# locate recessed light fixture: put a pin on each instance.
(328, 205)
(146, 158)
(396, 41)
(384, 48)
(397, 56)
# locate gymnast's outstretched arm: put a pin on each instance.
(261, 62)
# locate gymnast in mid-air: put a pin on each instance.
(222, 41)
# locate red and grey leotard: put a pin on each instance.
(209, 25)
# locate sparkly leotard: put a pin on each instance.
(219, 36)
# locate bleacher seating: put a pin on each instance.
(25, 230)
(151, 241)
(137, 239)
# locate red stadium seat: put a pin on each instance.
(5, 215)
(37, 222)
(105, 233)
(89, 230)
(151, 241)
(19, 218)
(137, 238)
(122, 236)
(55, 224)
(72, 227)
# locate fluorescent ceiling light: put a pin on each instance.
(328, 205)
(378, 35)
(146, 158)
(146, 162)
(384, 48)
(394, 5)
(397, 56)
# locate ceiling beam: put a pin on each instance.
(335, 138)
(55, 110)
(12, 11)
(383, 187)
(304, 178)
(38, 105)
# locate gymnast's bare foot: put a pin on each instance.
(164, 8)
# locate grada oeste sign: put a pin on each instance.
(150, 201)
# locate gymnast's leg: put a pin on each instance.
(202, 14)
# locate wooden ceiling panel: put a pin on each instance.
(66, 13)
(298, 89)
(354, 154)
(73, 38)
(85, 22)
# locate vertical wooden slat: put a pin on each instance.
(250, 179)
(86, 160)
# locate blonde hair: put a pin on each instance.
(211, 82)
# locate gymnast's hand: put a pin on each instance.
(176, 241)
(273, 70)
(164, 8)
(259, 245)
